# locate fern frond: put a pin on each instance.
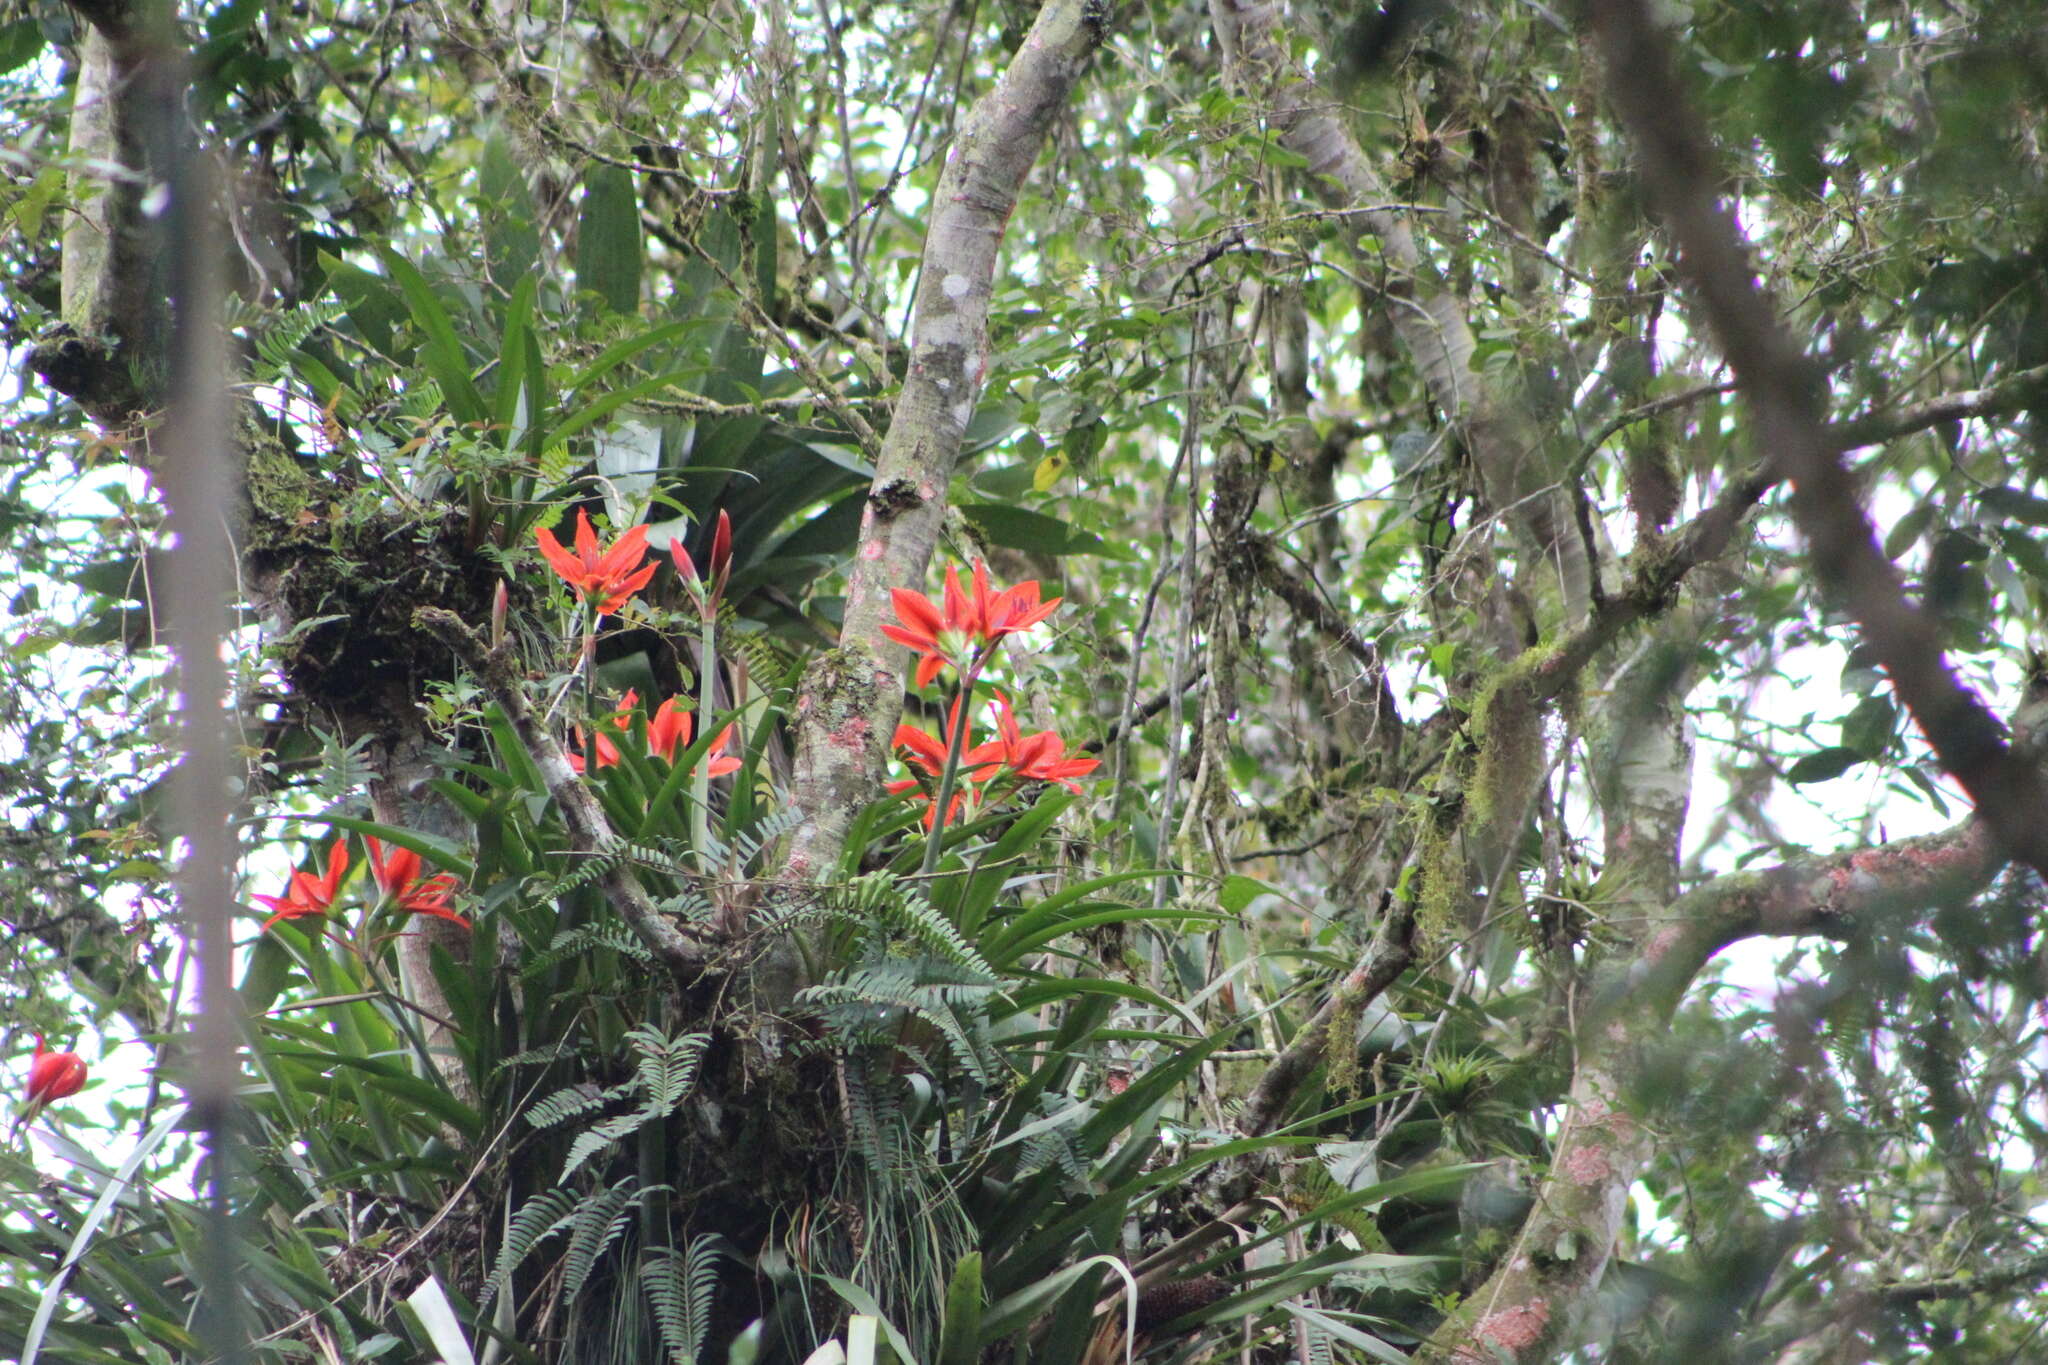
(538, 1219)
(285, 332)
(597, 1225)
(665, 1070)
(746, 844)
(689, 905)
(670, 857)
(667, 1066)
(567, 1103)
(533, 1056)
(599, 1137)
(584, 939)
(911, 914)
(679, 1287)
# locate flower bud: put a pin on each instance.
(53, 1076)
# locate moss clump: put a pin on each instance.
(1507, 725)
(1340, 1045)
(339, 574)
(1440, 869)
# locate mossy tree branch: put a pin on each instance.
(1784, 390)
(1516, 471)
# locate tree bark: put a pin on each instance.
(851, 696)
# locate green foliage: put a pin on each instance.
(615, 260)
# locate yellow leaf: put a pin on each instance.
(1049, 472)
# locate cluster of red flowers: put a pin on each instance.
(962, 635)
(398, 874)
(1026, 758)
(668, 730)
(609, 577)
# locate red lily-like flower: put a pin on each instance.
(950, 636)
(430, 895)
(670, 731)
(926, 751)
(606, 579)
(606, 751)
(1010, 611)
(1033, 758)
(307, 894)
(704, 598)
(52, 1076)
(400, 877)
(940, 638)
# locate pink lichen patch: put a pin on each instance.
(871, 549)
(1662, 942)
(928, 492)
(1587, 1164)
(1515, 1329)
(853, 735)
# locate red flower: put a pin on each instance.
(607, 579)
(1034, 758)
(717, 763)
(608, 752)
(927, 751)
(1012, 610)
(670, 730)
(429, 896)
(53, 1076)
(947, 637)
(401, 879)
(307, 894)
(939, 639)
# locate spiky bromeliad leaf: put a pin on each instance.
(679, 1286)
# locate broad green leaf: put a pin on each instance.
(1824, 764)
(1015, 528)
(608, 239)
(441, 352)
(960, 1333)
(511, 242)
